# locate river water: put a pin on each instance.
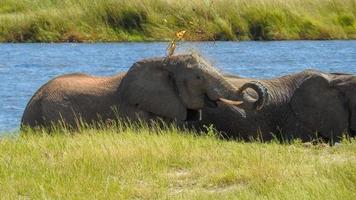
(25, 67)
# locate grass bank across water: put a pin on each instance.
(145, 20)
(168, 164)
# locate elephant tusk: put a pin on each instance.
(235, 103)
(200, 115)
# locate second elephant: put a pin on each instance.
(304, 105)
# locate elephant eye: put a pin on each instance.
(198, 77)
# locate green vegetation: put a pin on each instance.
(147, 20)
(147, 163)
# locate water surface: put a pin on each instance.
(25, 67)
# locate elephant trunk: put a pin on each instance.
(221, 88)
(225, 91)
(261, 91)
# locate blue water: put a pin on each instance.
(25, 67)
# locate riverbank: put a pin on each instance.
(152, 20)
(168, 164)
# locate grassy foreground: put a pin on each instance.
(142, 20)
(171, 165)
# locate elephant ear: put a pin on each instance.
(149, 87)
(320, 107)
(346, 84)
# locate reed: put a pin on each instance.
(148, 20)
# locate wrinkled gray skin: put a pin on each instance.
(300, 105)
(173, 89)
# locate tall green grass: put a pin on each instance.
(137, 20)
(142, 163)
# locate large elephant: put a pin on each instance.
(170, 88)
(304, 105)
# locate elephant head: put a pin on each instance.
(174, 87)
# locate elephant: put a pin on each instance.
(307, 105)
(172, 89)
